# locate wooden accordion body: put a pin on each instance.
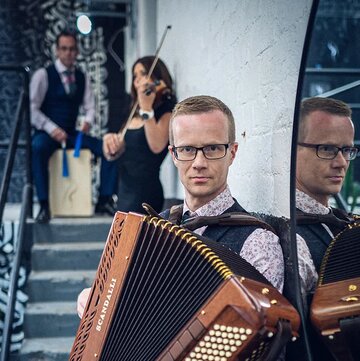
(335, 309)
(162, 294)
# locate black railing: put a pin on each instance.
(22, 115)
(22, 118)
(13, 282)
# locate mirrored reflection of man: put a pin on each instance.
(56, 94)
(203, 147)
(325, 149)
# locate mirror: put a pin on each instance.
(330, 71)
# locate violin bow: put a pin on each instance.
(123, 131)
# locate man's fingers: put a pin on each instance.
(82, 300)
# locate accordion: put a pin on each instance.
(335, 309)
(161, 293)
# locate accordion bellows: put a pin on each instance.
(161, 293)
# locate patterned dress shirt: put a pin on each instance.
(261, 249)
(307, 271)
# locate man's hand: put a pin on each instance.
(113, 145)
(81, 301)
(59, 135)
(85, 127)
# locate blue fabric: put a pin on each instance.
(78, 143)
(65, 167)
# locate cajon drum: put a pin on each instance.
(70, 196)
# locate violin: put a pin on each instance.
(153, 87)
(157, 86)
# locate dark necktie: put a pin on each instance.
(186, 216)
(70, 81)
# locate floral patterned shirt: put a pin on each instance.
(261, 249)
(307, 271)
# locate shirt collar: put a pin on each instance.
(60, 67)
(309, 205)
(215, 207)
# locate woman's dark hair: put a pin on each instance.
(160, 73)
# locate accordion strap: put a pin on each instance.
(350, 327)
(281, 338)
(334, 218)
(226, 219)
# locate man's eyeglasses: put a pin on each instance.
(211, 151)
(327, 151)
(65, 48)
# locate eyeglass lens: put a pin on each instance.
(212, 151)
(65, 48)
(331, 151)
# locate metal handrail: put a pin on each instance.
(9, 315)
(340, 89)
(10, 157)
(22, 116)
(326, 71)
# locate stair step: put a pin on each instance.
(45, 286)
(51, 319)
(66, 256)
(47, 349)
(94, 229)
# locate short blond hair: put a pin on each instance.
(202, 104)
(327, 105)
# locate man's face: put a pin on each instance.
(67, 51)
(321, 178)
(202, 178)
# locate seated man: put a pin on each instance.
(56, 94)
(325, 149)
(203, 147)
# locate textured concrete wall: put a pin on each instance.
(247, 53)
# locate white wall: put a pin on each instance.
(247, 53)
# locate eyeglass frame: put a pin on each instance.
(173, 149)
(316, 146)
(64, 48)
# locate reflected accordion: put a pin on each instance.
(335, 309)
(161, 293)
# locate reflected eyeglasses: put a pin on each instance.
(328, 151)
(211, 151)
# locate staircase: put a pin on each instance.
(65, 255)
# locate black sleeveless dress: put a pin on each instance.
(139, 172)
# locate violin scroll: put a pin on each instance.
(158, 86)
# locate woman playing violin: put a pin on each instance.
(144, 146)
